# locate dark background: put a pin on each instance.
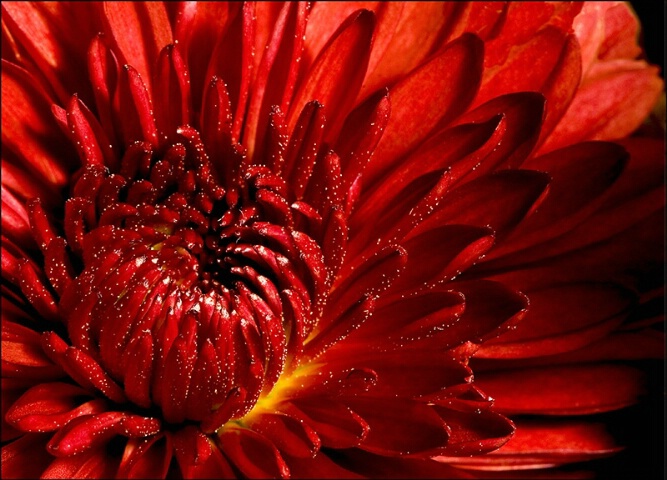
(652, 15)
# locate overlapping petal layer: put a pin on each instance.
(274, 240)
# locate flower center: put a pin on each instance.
(195, 291)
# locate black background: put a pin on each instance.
(652, 15)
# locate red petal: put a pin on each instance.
(303, 147)
(522, 116)
(25, 457)
(97, 464)
(398, 374)
(552, 58)
(179, 364)
(253, 454)
(542, 444)
(206, 379)
(335, 424)
(89, 137)
(197, 26)
(407, 34)
(491, 309)
(409, 194)
(233, 63)
(146, 457)
(140, 31)
(37, 293)
(484, 19)
(621, 31)
(563, 318)
(401, 426)
(198, 456)
(277, 73)
(216, 124)
(458, 67)
(341, 325)
(580, 174)
(402, 318)
(171, 83)
(371, 275)
(16, 222)
(442, 254)
(25, 184)
(22, 354)
(474, 433)
(361, 133)
(136, 108)
(291, 436)
(345, 56)
(12, 389)
(104, 73)
(380, 466)
(499, 201)
(524, 21)
(575, 390)
(84, 433)
(28, 128)
(45, 31)
(49, 406)
(611, 104)
(139, 371)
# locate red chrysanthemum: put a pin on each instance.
(276, 239)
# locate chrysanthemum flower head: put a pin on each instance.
(278, 239)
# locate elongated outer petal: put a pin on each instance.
(28, 128)
(345, 56)
(335, 423)
(568, 390)
(544, 443)
(171, 85)
(579, 176)
(401, 426)
(136, 108)
(49, 406)
(414, 114)
(139, 31)
(606, 31)
(22, 356)
(407, 317)
(611, 103)
(292, 436)
(553, 59)
(277, 71)
(474, 432)
(563, 318)
(45, 31)
(499, 201)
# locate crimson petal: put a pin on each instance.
(401, 426)
(458, 65)
(252, 453)
(563, 390)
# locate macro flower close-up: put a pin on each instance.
(330, 240)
